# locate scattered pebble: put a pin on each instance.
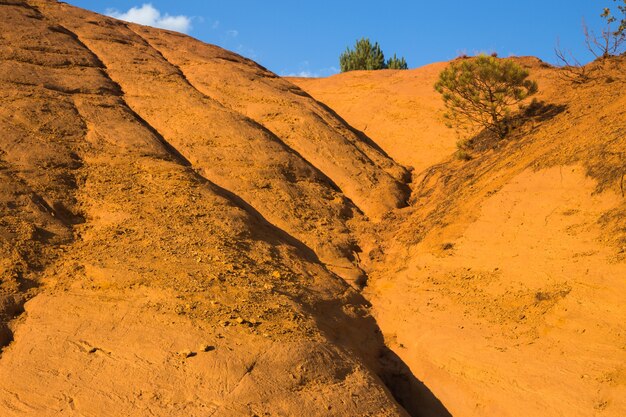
(186, 353)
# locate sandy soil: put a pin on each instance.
(124, 252)
(524, 314)
(183, 233)
(502, 286)
(399, 110)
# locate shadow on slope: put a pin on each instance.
(348, 323)
(527, 121)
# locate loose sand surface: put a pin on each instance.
(184, 233)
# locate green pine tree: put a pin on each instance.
(365, 56)
(397, 63)
(480, 92)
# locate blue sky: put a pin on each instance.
(306, 38)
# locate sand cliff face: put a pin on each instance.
(502, 285)
(167, 241)
(182, 232)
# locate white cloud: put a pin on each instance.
(305, 72)
(150, 16)
(302, 74)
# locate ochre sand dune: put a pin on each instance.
(141, 218)
(182, 232)
(503, 285)
(399, 110)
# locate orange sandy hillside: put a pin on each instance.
(161, 250)
(183, 233)
(502, 285)
(258, 162)
(397, 109)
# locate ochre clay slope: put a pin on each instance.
(347, 156)
(397, 109)
(176, 221)
(502, 285)
(317, 168)
(156, 244)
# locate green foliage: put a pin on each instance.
(366, 56)
(609, 42)
(397, 63)
(480, 92)
(611, 18)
